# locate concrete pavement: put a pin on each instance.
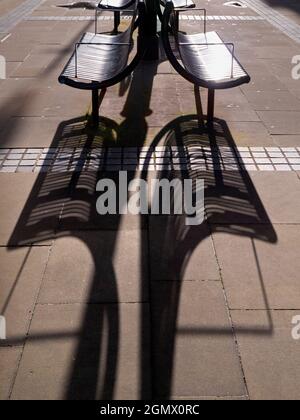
(131, 307)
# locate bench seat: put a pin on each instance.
(210, 63)
(97, 63)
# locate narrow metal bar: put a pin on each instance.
(176, 20)
(103, 43)
(210, 106)
(117, 21)
(199, 106)
(76, 61)
(96, 22)
(95, 107)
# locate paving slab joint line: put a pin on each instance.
(229, 314)
(29, 322)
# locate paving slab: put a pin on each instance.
(267, 276)
(33, 66)
(9, 358)
(279, 193)
(110, 267)
(33, 132)
(53, 101)
(270, 52)
(281, 122)
(193, 346)
(250, 134)
(25, 218)
(270, 359)
(11, 88)
(13, 53)
(85, 352)
(21, 275)
(238, 113)
(262, 80)
(273, 101)
(287, 141)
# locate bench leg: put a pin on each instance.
(96, 103)
(211, 106)
(117, 21)
(176, 23)
(95, 107)
(199, 106)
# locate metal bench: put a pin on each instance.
(206, 61)
(115, 6)
(101, 60)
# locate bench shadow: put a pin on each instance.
(232, 207)
(62, 203)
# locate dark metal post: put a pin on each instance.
(95, 107)
(117, 21)
(150, 31)
(199, 106)
(211, 106)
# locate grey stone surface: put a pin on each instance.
(194, 349)
(279, 194)
(9, 358)
(110, 267)
(281, 122)
(270, 357)
(86, 352)
(22, 272)
(265, 273)
(24, 220)
(85, 340)
(180, 253)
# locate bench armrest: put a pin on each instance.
(227, 44)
